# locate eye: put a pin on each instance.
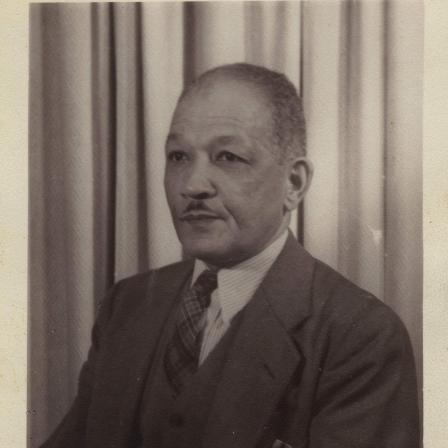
(177, 156)
(227, 156)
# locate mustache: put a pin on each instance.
(197, 207)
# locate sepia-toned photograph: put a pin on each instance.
(225, 224)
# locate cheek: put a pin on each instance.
(250, 201)
(171, 188)
(266, 191)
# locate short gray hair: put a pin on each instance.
(288, 130)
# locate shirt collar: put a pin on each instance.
(237, 285)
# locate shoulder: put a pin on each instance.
(320, 303)
(161, 274)
(139, 287)
(347, 312)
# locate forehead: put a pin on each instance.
(223, 102)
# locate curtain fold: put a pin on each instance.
(403, 284)
(163, 81)
(321, 97)
(104, 81)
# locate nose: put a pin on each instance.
(198, 183)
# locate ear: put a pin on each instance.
(300, 174)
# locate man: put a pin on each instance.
(251, 343)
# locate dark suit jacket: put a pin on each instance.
(316, 362)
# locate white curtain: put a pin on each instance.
(104, 82)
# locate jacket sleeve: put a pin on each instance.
(70, 432)
(367, 393)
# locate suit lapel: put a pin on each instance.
(264, 356)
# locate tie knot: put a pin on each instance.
(206, 283)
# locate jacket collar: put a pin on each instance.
(287, 286)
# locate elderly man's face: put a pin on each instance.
(224, 184)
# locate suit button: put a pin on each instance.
(176, 420)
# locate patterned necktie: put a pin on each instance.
(182, 355)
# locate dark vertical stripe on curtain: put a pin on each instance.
(112, 166)
(280, 42)
(189, 42)
(104, 146)
(142, 175)
(254, 28)
(301, 207)
(349, 134)
(52, 207)
(385, 170)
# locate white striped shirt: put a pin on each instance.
(236, 286)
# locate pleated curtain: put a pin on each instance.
(104, 80)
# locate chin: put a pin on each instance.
(203, 251)
(208, 251)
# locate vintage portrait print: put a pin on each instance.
(225, 224)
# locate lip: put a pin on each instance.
(199, 217)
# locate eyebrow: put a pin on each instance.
(173, 139)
